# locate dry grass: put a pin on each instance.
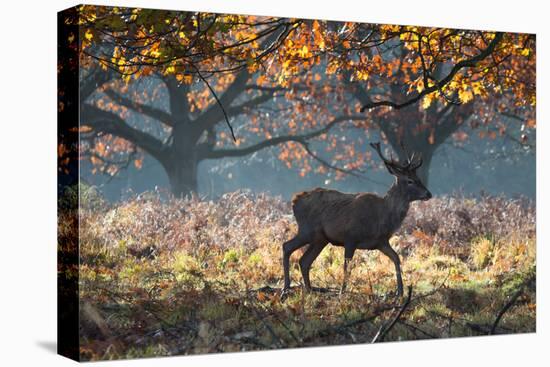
(164, 277)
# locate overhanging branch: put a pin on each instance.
(327, 164)
(144, 109)
(241, 108)
(438, 85)
(107, 122)
(93, 81)
(300, 138)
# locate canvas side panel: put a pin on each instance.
(67, 184)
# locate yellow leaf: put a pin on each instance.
(362, 75)
(170, 70)
(304, 51)
(465, 95)
(420, 86)
(89, 35)
(477, 88)
(427, 100)
(187, 79)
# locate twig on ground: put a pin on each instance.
(416, 328)
(290, 332)
(385, 328)
(277, 340)
(509, 304)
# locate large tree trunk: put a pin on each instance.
(184, 158)
(423, 172)
(183, 177)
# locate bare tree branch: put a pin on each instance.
(213, 114)
(241, 108)
(336, 168)
(144, 109)
(95, 79)
(300, 138)
(108, 122)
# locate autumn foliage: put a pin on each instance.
(223, 85)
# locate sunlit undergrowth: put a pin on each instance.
(164, 277)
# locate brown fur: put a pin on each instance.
(343, 217)
(355, 221)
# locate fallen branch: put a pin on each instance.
(290, 332)
(385, 328)
(416, 328)
(277, 340)
(342, 328)
(509, 304)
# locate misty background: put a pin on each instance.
(496, 167)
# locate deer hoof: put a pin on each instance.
(284, 294)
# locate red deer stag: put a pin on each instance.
(354, 221)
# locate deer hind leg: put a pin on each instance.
(389, 252)
(288, 248)
(308, 258)
(349, 250)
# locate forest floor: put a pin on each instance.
(166, 277)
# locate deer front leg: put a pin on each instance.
(349, 250)
(389, 252)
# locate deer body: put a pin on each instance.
(354, 221)
(346, 218)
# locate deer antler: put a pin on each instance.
(418, 163)
(411, 163)
(376, 146)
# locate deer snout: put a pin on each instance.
(427, 196)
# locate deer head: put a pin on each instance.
(405, 174)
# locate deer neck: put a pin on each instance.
(397, 204)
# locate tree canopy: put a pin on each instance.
(188, 86)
